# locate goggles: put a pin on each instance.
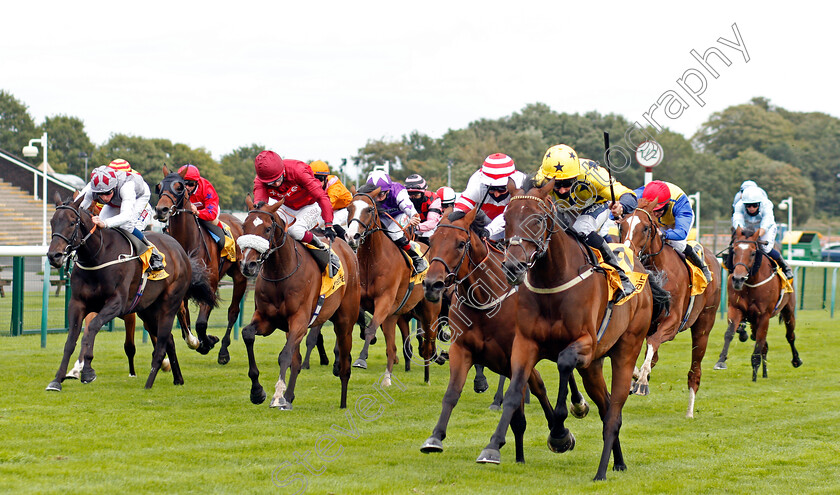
(190, 183)
(751, 205)
(564, 184)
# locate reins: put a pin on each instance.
(271, 250)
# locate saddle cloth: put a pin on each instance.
(625, 259)
(418, 278)
(229, 251)
(158, 275)
(787, 287)
(332, 284)
(698, 280)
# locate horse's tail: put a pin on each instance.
(200, 290)
(661, 299)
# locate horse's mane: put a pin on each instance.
(529, 183)
(481, 219)
(367, 188)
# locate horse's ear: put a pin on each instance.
(57, 198)
(376, 192)
(353, 189)
(546, 188)
(249, 202)
(511, 187)
(78, 201)
(165, 170)
(183, 174)
(276, 206)
(470, 216)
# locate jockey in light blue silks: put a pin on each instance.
(755, 211)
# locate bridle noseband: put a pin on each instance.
(376, 223)
(452, 274)
(649, 238)
(542, 244)
(77, 232)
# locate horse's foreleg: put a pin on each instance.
(207, 341)
(500, 395)
(343, 328)
(642, 385)
(789, 317)
(389, 330)
(240, 285)
(735, 319)
(109, 311)
(560, 439)
(76, 371)
(130, 321)
(289, 357)
(311, 342)
(184, 321)
(405, 332)
(459, 365)
(75, 316)
(699, 341)
(759, 354)
(517, 426)
(480, 381)
(579, 406)
(263, 327)
(381, 307)
(537, 387)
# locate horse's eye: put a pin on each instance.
(461, 244)
(369, 209)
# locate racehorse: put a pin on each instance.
(482, 317)
(565, 315)
(756, 294)
(386, 289)
(185, 227)
(286, 296)
(640, 231)
(108, 279)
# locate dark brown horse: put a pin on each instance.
(565, 315)
(386, 291)
(756, 295)
(286, 296)
(185, 227)
(107, 279)
(641, 232)
(482, 318)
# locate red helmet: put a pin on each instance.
(269, 166)
(189, 172)
(657, 192)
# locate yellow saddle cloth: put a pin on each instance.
(418, 278)
(229, 251)
(698, 280)
(625, 260)
(332, 284)
(145, 257)
(787, 287)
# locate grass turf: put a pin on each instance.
(778, 435)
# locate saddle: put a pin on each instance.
(223, 237)
(144, 253)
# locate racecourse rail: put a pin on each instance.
(18, 253)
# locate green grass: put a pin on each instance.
(779, 435)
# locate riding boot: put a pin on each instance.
(155, 260)
(777, 257)
(334, 262)
(692, 256)
(596, 241)
(418, 261)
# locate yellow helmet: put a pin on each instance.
(319, 168)
(560, 162)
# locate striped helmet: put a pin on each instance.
(496, 169)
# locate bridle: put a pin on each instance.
(275, 227)
(649, 238)
(551, 227)
(758, 252)
(452, 274)
(77, 233)
(376, 223)
(177, 200)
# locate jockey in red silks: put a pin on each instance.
(204, 202)
(125, 199)
(305, 199)
(488, 187)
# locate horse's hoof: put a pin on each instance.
(641, 389)
(88, 376)
(258, 396)
(796, 362)
(440, 360)
(489, 456)
(54, 386)
(281, 404)
(325, 360)
(620, 467)
(71, 376)
(742, 335)
(360, 363)
(177, 382)
(495, 407)
(560, 445)
(432, 445)
(480, 385)
(373, 340)
(720, 365)
(335, 369)
(580, 410)
(224, 358)
(304, 365)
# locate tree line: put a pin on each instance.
(787, 153)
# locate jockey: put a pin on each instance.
(393, 199)
(582, 191)
(488, 186)
(447, 197)
(125, 199)
(755, 211)
(305, 200)
(675, 218)
(340, 197)
(744, 185)
(426, 203)
(204, 202)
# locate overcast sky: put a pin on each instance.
(317, 79)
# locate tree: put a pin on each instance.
(780, 180)
(67, 138)
(239, 166)
(16, 125)
(741, 127)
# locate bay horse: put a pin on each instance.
(756, 295)
(108, 279)
(386, 291)
(564, 316)
(286, 296)
(482, 319)
(640, 231)
(173, 207)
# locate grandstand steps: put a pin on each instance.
(20, 217)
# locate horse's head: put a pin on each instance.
(263, 233)
(744, 250)
(449, 247)
(528, 227)
(639, 231)
(172, 190)
(70, 227)
(363, 217)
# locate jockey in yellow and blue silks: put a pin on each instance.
(582, 192)
(755, 211)
(675, 217)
